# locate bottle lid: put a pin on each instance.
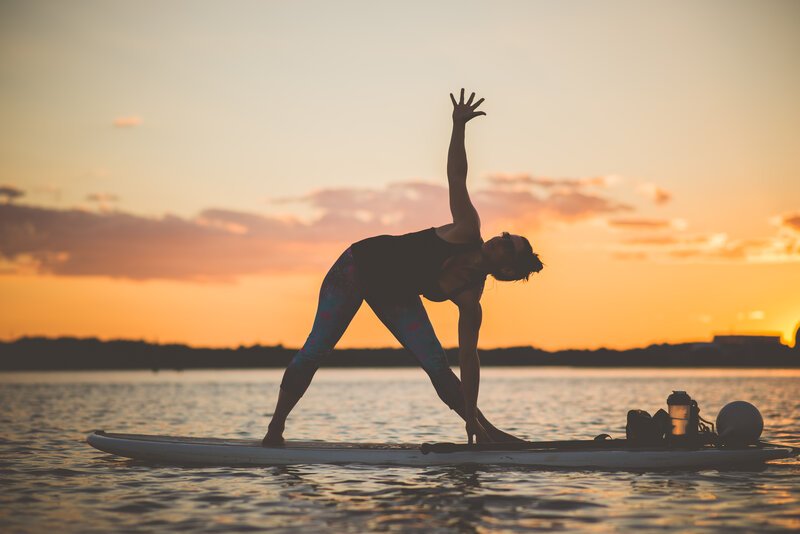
(679, 397)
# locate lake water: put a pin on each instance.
(52, 481)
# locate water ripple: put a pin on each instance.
(53, 481)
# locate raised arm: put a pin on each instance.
(465, 216)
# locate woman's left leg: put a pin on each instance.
(339, 299)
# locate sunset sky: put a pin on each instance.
(187, 171)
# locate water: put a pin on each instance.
(52, 481)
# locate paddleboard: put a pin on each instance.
(612, 454)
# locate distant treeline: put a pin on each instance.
(82, 354)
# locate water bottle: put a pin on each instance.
(680, 410)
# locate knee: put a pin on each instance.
(304, 365)
(314, 350)
(435, 362)
(308, 358)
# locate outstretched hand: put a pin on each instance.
(464, 112)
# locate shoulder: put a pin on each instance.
(455, 233)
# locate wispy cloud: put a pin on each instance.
(410, 205)
(546, 182)
(115, 244)
(129, 121)
(657, 194)
(8, 193)
(562, 206)
(221, 244)
(640, 223)
(653, 240)
(531, 201)
(650, 191)
(103, 201)
(782, 246)
(102, 197)
(790, 221)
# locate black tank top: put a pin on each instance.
(392, 266)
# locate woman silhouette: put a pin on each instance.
(448, 262)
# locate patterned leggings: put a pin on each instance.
(339, 299)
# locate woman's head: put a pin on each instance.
(510, 257)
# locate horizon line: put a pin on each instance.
(754, 334)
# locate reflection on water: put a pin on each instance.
(52, 480)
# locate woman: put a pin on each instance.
(449, 262)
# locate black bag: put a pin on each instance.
(663, 423)
(642, 429)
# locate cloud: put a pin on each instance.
(640, 223)
(524, 179)
(653, 240)
(399, 206)
(82, 243)
(102, 197)
(407, 206)
(535, 200)
(651, 191)
(783, 246)
(129, 121)
(104, 201)
(221, 245)
(8, 193)
(655, 193)
(526, 209)
(790, 221)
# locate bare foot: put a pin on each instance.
(274, 437)
(500, 436)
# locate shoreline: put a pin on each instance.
(76, 354)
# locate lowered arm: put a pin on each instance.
(470, 315)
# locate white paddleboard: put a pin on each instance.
(173, 450)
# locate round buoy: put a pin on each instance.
(739, 423)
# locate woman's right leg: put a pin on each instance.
(409, 323)
(339, 299)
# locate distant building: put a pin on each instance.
(748, 339)
(797, 338)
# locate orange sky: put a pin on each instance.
(614, 304)
(188, 175)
